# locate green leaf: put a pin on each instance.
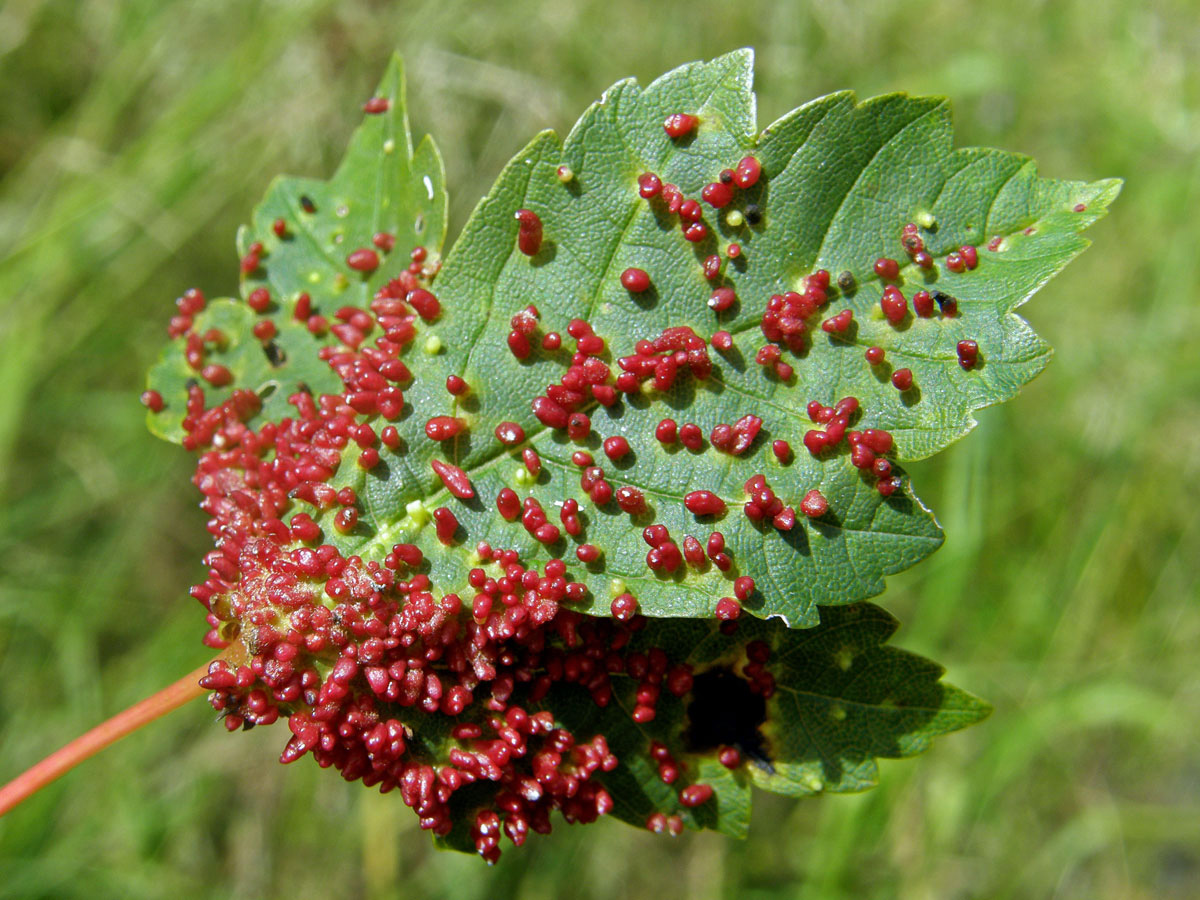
(382, 185)
(839, 182)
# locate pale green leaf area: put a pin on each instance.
(384, 186)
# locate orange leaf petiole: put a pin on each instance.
(92, 742)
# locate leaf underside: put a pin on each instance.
(842, 700)
(840, 180)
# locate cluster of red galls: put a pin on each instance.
(352, 652)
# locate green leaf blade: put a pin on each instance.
(840, 180)
(381, 185)
(596, 226)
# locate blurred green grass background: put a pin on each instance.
(135, 136)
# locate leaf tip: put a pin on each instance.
(1106, 191)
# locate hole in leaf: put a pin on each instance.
(725, 712)
(275, 354)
